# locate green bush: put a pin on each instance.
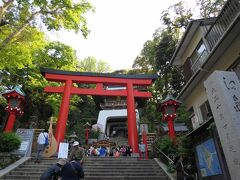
(166, 145)
(95, 133)
(9, 142)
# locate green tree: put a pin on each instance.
(176, 18)
(20, 52)
(91, 64)
(53, 14)
(210, 8)
(54, 55)
(145, 62)
(156, 55)
(170, 77)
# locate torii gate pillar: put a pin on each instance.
(63, 113)
(132, 125)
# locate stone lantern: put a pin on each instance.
(168, 107)
(15, 99)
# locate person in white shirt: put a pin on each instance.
(41, 145)
(142, 150)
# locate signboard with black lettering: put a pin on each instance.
(26, 136)
(63, 151)
(223, 91)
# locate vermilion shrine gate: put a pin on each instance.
(101, 80)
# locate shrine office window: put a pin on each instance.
(206, 111)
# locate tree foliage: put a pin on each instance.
(20, 53)
(156, 55)
(210, 8)
(24, 49)
(91, 64)
(17, 16)
(176, 17)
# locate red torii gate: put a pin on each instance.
(101, 80)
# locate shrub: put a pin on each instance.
(9, 142)
(166, 145)
(95, 133)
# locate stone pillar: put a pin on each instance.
(223, 92)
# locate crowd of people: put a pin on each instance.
(108, 151)
(72, 168)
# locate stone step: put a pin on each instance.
(101, 166)
(125, 178)
(116, 161)
(98, 163)
(133, 173)
(42, 166)
(121, 158)
(92, 168)
(29, 170)
(116, 164)
(26, 173)
(123, 168)
(94, 173)
(112, 158)
(26, 177)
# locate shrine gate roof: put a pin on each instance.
(153, 77)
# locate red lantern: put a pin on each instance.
(87, 127)
(168, 108)
(15, 99)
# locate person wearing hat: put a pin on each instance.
(77, 153)
(54, 171)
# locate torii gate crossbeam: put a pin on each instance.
(101, 80)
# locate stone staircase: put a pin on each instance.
(97, 168)
(127, 168)
(30, 170)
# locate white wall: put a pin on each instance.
(106, 114)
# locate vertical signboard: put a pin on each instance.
(223, 92)
(26, 136)
(63, 151)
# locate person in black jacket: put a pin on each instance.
(53, 172)
(178, 162)
(72, 170)
(128, 150)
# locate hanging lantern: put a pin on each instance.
(168, 107)
(15, 99)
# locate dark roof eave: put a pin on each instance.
(200, 128)
(196, 22)
(153, 77)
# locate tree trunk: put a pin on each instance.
(17, 31)
(5, 6)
